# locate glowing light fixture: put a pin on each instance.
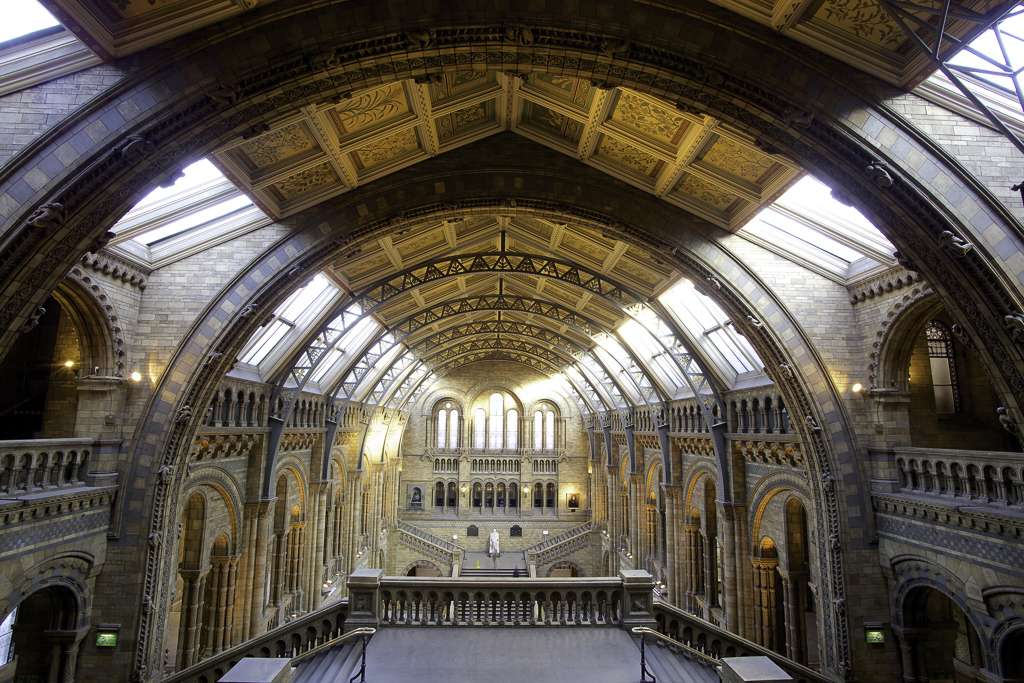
(69, 363)
(857, 387)
(136, 377)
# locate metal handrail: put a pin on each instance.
(643, 630)
(326, 645)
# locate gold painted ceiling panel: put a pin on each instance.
(630, 157)
(575, 92)
(459, 85)
(278, 145)
(708, 193)
(552, 123)
(373, 109)
(864, 19)
(649, 120)
(465, 120)
(304, 181)
(741, 161)
(386, 149)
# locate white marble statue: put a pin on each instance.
(492, 548)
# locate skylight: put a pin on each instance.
(997, 55)
(23, 17)
(194, 219)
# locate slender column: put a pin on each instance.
(56, 652)
(710, 580)
(188, 641)
(221, 596)
(71, 660)
(255, 599)
(796, 604)
(758, 602)
(230, 618)
(729, 573)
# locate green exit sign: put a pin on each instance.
(106, 639)
(874, 635)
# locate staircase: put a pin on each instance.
(336, 664)
(671, 667)
(504, 565)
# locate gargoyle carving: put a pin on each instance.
(615, 48)
(50, 215)
(876, 170)
(226, 95)
(183, 415)
(519, 34)
(798, 117)
(420, 40)
(136, 148)
(958, 246)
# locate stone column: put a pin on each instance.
(793, 586)
(56, 654)
(255, 599)
(194, 583)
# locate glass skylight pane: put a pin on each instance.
(1012, 29)
(727, 347)
(195, 175)
(810, 191)
(301, 300)
(327, 364)
(270, 337)
(23, 17)
(807, 234)
(192, 220)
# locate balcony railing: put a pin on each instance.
(973, 477)
(39, 465)
(709, 641)
(294, 638)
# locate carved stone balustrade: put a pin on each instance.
(289, 640)
(966, 477)
(37, 465)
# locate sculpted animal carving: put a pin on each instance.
(50, 215)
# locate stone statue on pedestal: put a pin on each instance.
(492, 547)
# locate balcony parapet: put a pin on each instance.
(39, 465)
(559, 546)
(973, 478)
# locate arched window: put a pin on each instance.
(480, 429)
(442, 428)
(497, 405)
(512, 430)
(453, 429)
(549, 432)
(538, 429)
(943, 366)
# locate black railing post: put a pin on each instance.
(362, 667)
(643, 663)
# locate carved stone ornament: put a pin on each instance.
(840, 197)
(256, 131)
(1007, 421)
(212, 358)
(171, 179)
(48, 216)
(905, 262)
(755, 322)
(877, 171)
(520, 35)
(137, 148)
(828, 482)
(322, 61)
(710, 77)
(101, 241)
(603, 85)
(786, 370)
(183, 415)
(812, 423)
(420, 40)
(1015, 324)
(958, 246)
(798, 117)
(166, 474)
(766, 146)
(226, 95)
(714, 282)
(294, 272)
(429, 79)
(615, 48)
(516, 74)
(154, 539)
(33, 320)
(249, 311)
(962, 335)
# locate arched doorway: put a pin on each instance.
(938, 641)
(45, 636)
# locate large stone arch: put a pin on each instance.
(101, 339)
(843, 137)
(841, 144)
(69, 570)
(891, 347)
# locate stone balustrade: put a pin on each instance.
(379, 601)
(38, 465)
(551, 549)
(718, 643)
(296, 637)
(972, 477)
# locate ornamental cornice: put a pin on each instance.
(117, 268)
(892, 280)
